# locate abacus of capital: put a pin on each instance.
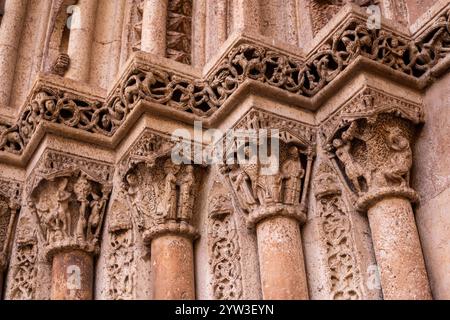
(329, 125)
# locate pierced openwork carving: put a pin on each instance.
(69, 202)
(336, 229)
(120, 265)
(224, 247)
(179, 30)
(278, 185)
(203, 97)
(370, 140)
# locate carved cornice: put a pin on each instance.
(246, 61)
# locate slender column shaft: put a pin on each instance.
(154, 26)
(398, 251)
(216, 26)
(282, 268)
(1, 284)
(247, 16)
(72, 276)
(10, 34)
(81, 38)
(173, 267)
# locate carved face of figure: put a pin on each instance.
(293, 152)
(132, 179)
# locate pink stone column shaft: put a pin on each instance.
(72, 276)
(282, 267)
(81, 38)
(154, 26)
(172, 259)
(10, 35)
(398, 250)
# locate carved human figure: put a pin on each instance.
(62, 217)
(96, 205)
(170, 189)
(242, 184)
(82, 188)
(353, 170)
(292, 172)
(186, 194)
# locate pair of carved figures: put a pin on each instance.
(72, 210)
(281, 184)
(174, 202)
(387, 144)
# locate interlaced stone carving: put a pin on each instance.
(336, 229)
(321, 11)
(179, 30)
(372, 145)
(24, 267)
(69, 204)
(224, 247)
(246, 61)
(120, 265)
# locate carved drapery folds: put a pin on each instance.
(224, 247)
(120, 265)
(160, 193)
(335, 222)
(370, 140)
(179, 31)
(68, 198)
(279, 185)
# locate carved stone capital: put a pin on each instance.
(68, 199)
(370, 143)
(159, 191)
(266, 186)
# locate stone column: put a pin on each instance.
(281, 262)
(172, 260)
(81, 38)
(380, 179)
(397, 247)
(72, 275)
(11, 32)
(154, 25)
(2, 269)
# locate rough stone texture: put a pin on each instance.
(72, 276)
(397, 249)
(283, 274)
(355, 205)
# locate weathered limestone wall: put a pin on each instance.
(432, 180)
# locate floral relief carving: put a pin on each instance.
(224, 247)
(344, 273)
